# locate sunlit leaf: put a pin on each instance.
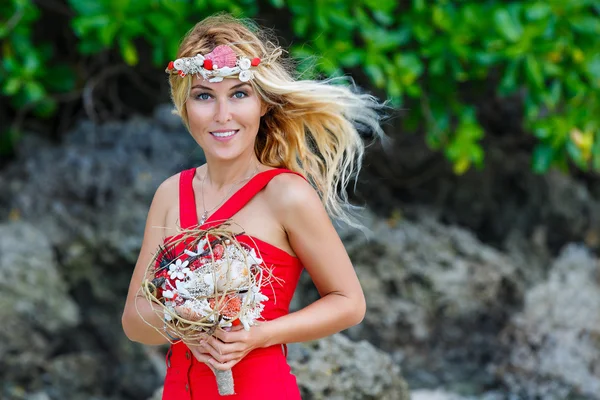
(507, 25)
(129, 52)
(542, 158)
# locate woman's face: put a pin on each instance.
(224, 117)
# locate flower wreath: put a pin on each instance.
(220, 63)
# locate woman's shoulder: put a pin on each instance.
(167, 192)
(288, 191)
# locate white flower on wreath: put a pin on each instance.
(179, 270)
(244, 63)
(245, 75)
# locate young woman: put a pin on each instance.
(279, 155)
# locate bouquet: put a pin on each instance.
(215, 281)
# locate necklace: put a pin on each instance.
(206, 212)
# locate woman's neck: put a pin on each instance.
(224, 174)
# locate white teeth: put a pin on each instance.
(223, 134)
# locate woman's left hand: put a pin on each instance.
(228, 347)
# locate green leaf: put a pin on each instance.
(351, 58)
(300, 25)
(277, 3)
(385, 6)
(84, 25)
(510, 28)
(128, 51)
(45, 108)
(596, 151)
(90, 47)
(87, 7)
(34, 92)
(375, 72)
(60, 78)
(586, 24)
(542, 158)
(12, 86)
(107, 34)
(536, 11)
(534, 72)
(436, 67)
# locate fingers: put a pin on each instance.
(235, 334)
(223, 366)
(200, 355)
(222, 352)
(218, 361)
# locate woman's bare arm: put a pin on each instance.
(319, 247)
(134, 327)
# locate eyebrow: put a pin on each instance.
(198, 86)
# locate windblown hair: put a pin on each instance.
(311, 127)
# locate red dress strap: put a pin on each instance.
(240, 198)
(188, 216)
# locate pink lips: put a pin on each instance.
(226, 138)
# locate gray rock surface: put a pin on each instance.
(335, 368)
(555, 340)
(437, 298)
(35, 308)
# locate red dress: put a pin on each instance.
(264, 373)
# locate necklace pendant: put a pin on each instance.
(203, 217)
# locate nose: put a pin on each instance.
(222, 113)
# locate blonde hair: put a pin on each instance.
(311, 127)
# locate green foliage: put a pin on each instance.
(545, 52)
(426, 54)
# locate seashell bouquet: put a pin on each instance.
(211, 281)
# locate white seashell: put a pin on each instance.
(182, 289)
(245, 76)
(226, 71)
(178, 64)
(232, 276)
(208, 280)
(200, 58)
(216, 79)
(244, 63)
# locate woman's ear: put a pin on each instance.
(264, 108)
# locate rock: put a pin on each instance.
(440, 394)
(337, 368)
(434, 395)
(555, 340)
(35, 307)
(75, 375)
(436, 299)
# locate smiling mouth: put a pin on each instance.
(224, 134)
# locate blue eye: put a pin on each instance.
(203, 96)
(240, 94)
